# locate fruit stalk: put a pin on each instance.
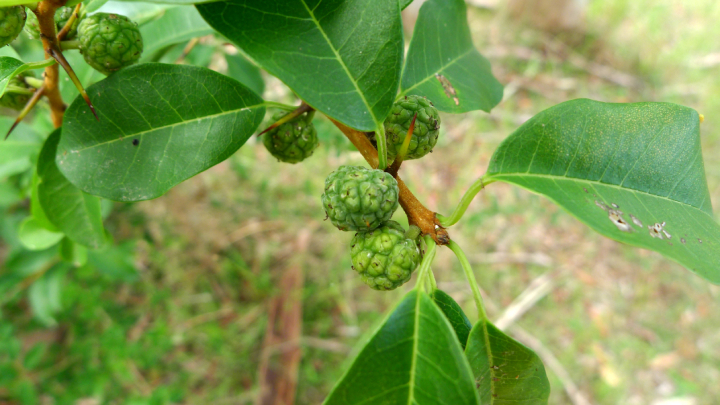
(416, 212)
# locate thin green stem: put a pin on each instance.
(453, 219)
(426, 262)
(281, 106)
(482, 315)
(18, 90)
(433, 282)
(381, 146)
(67, 45)
(34, 82)
(41, 64)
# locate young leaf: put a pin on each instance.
(414, 358)
(34, 236)
(159, 125)
(343, 57)
(443, 64)
(506, 372)
(178, 24)
(454, 314)
(73, 212)
(632, 172)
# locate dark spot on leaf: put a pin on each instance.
(136, 142)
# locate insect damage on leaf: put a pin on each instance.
(448, 87)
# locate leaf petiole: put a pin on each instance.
(281, 106)
(482, 315)
(381, 146)
(427, 260)
(465, 201)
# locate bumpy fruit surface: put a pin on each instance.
(293, 141)
(384, 258)
(359, 199)
(62, 15)
(16, 101)
(12, 20)
(425, 134)
(109, 42)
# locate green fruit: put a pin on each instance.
(359, 199)
(62, 15)
(16, 101)
(425, 134)
(384, 258)
(293, 141)
(12, 20)
(109, 42)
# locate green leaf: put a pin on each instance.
(245, 72)
(178, 24)
(73, 253)
(140, 12)
(159, 125)
(36, 208)
(404, 4)
(9, 68)
(115, 261)
(343, 57)
(621, 169)
(34, 236)
(18, 152)
(73, 212)
(506, 372)
(413, 358)
(443, 64)
(45, 295)
(94, 5)
(454, 314)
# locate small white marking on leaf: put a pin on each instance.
(617, 219)
(636, 221)
(656, 231)
(448, 87)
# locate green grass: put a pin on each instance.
(187, 326)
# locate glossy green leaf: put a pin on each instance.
(73, 212)
(343, 57)
(34, 236)
(454, 314)
(632, 172)
(413, 358)
(177, 24)
(506, 372)
(245, 72)
(159, 125)
(443, 64)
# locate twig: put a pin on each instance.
(537, 289)
(416, 212)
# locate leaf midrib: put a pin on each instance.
(431, 75)
(141, 133)
(341, 62)
(498, 175)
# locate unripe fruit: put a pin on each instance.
(293, 141)
(425, 134)
(384, 258)
(62, 15)
(109, 42)
(359, 199)
(12, 20)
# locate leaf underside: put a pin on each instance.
(621, 169)
(443, 64)
(506, 372)
(414, 358)
(159, 125)
(343, 57)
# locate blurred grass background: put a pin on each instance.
(626, 325)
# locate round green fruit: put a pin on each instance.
(109, 42)
(62, 15)
(14, 100)
(425, 134)
(384, 258)
(293, 141)
(12, 20)
(359, 199)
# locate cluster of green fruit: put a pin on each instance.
(108, 42)
(363, 200)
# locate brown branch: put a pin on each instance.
(416, 212)
(45, 13)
